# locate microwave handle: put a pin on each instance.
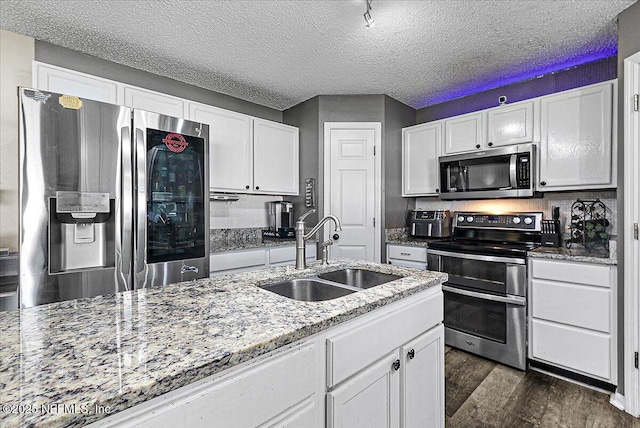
(513, 176)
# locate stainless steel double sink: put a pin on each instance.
(330, 285)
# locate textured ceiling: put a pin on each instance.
(280, 53)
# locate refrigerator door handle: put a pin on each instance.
(140, 198)
(126, 207)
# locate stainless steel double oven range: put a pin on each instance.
(485, 297)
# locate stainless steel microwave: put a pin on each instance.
(507, 172)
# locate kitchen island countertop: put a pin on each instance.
(114, 352)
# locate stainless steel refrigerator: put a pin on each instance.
(111, 198)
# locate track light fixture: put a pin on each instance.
(367, 15)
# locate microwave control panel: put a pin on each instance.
(524, 171)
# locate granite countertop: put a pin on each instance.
(577, 254)
(121, 350)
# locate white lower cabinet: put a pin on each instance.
(407, 256)
(246, 260)
(573, 317)
(389, 372)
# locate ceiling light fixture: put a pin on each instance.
(367, 15)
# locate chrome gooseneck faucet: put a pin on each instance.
(301, 260)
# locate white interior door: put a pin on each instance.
(352, 189)
(631, 244)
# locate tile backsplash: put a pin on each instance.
(564, 200)
(250, 211)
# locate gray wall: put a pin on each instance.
(582, 75)
(305, 116)
(628, 44)
(394, 206)
(67, 58)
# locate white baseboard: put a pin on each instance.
(617, 400)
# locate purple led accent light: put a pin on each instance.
(475, 88)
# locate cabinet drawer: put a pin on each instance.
(288, 253)
(574, 348)
(574, 304)
(357, 348)
(282, 254)
(237, 260)
(416, 254)
(581, 273)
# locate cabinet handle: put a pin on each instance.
(396, 365)
(543, 183)
(336, 236)
(437, 190)
(246, 187)
(477, 146)
(411, 354)
(257, 187)
(405, 254)
(490, 144)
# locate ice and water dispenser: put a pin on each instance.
(82, 231)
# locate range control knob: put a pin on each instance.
(528, 220)
(470, 219)
(460, 219)
(516, 220)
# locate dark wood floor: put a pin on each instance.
(482, 393)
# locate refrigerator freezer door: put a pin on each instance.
(72, 149)
(172, 199)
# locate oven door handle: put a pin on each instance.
(478, 257)
(511, 300)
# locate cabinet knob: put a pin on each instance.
(246, 187)
(490, 144)
(437, 190)
(396, 365)
(257, 187)
(543, 183)
(411, 354)
(477, 146)
(336, 236)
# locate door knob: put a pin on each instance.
(336, 236)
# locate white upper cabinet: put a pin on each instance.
(464, 133)
(577, 149)
(421, 146)
(156, 102)
(510, 124)
(230, 147)
(275, 158)
(55, 79)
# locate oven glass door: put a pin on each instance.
(476, 274)
(475, 316)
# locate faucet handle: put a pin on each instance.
(308, 213)
(326, 243)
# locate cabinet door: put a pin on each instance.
(156, 102)
(422, 381)
(368, 400)
(275, 154)
(230, 147)
(576, 139)
(62, 81)
(420, 150)
(464, 133)
(512, 124)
